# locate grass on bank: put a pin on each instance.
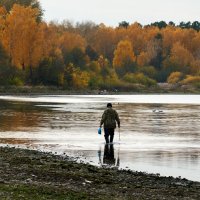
(19, 192)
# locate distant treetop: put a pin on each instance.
(8, 4)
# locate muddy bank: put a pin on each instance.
(26, 174)
(53, 90)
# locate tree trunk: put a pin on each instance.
(23, 67)
(31, 74)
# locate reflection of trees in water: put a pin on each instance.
(176, 120)
(18, 121)
(15, 141)
(19, 116)
(109, 158)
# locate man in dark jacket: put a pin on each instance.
(109, 119)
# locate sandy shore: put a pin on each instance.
(26, 174)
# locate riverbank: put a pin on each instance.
(52, 90)
(27, 174)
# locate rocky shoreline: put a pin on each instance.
(28, 174)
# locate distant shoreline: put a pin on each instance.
(45, 90)
(36, 175)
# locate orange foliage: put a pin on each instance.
(68, 41)
(195, 45)
(28, 41)
(50, 44)
(123, 53)
(105, 41)
(195, 67)
(3, 14)
(180, 56)
(143, 59)
(135, 34)
(170, 36)
(22, 37)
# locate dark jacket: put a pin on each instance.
(109, 118)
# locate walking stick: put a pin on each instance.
(119, 134)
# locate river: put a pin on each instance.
(159, 133)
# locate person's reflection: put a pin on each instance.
(109, 156)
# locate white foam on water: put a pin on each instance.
(149, 99)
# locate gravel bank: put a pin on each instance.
(26, 174)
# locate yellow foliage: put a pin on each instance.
(180, 56)
(103, 62)
(174, 77)
(191, 80)
(143, 59)
(95, 67)
(80, 79)
(61, 79)
(111, 78)
(195, 67)
(123, 53)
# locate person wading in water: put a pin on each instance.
(109, 119)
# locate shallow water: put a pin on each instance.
(166, 141)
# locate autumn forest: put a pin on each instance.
(86, 55)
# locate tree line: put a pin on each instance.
(87, 55)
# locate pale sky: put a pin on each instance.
(111, 12)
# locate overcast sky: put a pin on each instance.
(111, 12)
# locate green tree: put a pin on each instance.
(9, 75)
(139, 78)
(69, 70)
(50, 70)
(93, 55)
(157, 59)
(4, 66)
(185, 25)
(196, 25)
(171, 23)
(148, 71)
(123, 24)
(160, 25)
(77, 57)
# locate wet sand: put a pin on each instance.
(28, 174)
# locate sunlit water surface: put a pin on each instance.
(159, 133)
